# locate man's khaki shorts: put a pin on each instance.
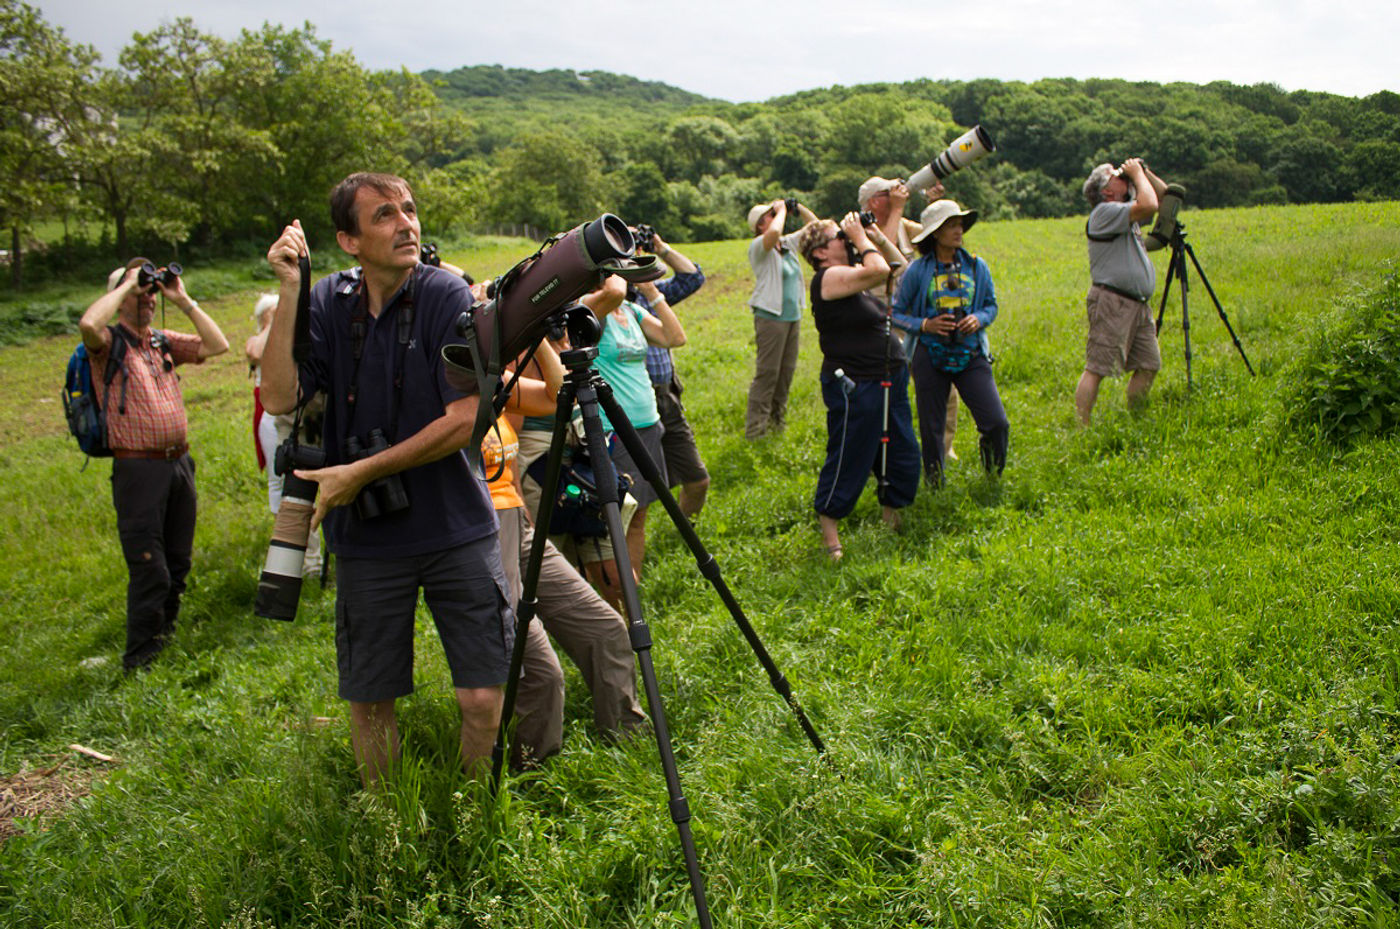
(1122, 335)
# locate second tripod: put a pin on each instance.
(1176, 269)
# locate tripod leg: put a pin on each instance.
(1179, 259)
(529, 602)
(709, 568)
(1166, 291)
(637, 629)
(1219, 310)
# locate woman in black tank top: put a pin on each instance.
(864, 377)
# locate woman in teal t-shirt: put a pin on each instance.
(622, 361)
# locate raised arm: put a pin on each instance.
(661, 327)
(96, 318)
(212, 340)
(870, 269)
(1145, 205)
(279, 371)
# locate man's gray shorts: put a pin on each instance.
(465, 589)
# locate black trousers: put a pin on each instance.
(155, 503)
(979, 391)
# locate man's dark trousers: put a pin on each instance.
(155, 503)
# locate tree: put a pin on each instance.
(43, 80)
(644, 198)
(325, 116)
(1375, 165)
(1309, 168)
(184, 87)
(550, 180)
(699, 145)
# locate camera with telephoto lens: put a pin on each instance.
(384, 495)
(151, 278)
(964, 150)
(279, 586)
(644, 237)
(428, 254)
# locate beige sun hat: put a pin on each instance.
(756, 213)
(939, 212)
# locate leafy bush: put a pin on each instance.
(1347, 385)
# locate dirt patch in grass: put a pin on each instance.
(42, 793)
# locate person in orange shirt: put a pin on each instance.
(585, 626)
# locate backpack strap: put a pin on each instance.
(116, 361)
(1097, 238)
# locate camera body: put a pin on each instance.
(151, 278)
(291, 455)
(380, 497)
(644, 237)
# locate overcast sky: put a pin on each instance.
(741, 50)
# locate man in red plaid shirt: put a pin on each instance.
(152, 471)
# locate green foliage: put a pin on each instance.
(551, 180)
(1346, 387)
(198, 142)
(42, 80)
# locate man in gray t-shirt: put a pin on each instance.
(1122, 335)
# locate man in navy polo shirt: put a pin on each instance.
(377, 334)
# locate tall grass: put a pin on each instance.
(1148, 678)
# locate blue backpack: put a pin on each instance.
(86, 414)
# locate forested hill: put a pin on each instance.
(564, 85)
(693, 164)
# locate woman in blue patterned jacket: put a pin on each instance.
(945, 302)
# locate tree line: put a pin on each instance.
(694, 169)
(195, 142)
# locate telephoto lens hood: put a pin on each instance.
(973, 144)
(531, 293)
(1168, 205)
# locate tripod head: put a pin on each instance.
(583, 328)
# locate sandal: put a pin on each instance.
(833, 551)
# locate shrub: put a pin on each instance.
(1347, 384)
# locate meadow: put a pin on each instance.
(1150, 677)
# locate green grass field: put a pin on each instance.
(1149, 678)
